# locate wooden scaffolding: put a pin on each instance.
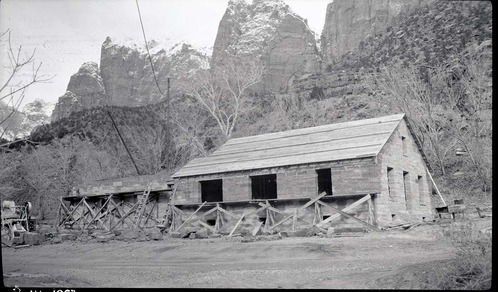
(109, 211)
(176, 219)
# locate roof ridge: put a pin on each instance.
(297, 131)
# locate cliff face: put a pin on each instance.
(291, 53)
(271, 32)
(128, 76)
(85, 89)
(348, 22)
(125, 77)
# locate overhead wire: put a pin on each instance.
(168, 126)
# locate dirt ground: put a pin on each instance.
(391, 259)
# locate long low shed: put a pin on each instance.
(369, 172)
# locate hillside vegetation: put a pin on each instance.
(441, 32)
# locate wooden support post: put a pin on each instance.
(217, 223)
(294, 219)
(271, 218)
(318, 214)
(435, 186)
(58, 217)
(371, 212)
(267, 220)
(191, 215)
(256, 229)
(237, 225)
(172, 215)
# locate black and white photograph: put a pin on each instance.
(246, 144)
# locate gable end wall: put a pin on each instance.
(411, 162)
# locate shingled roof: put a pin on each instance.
(349, 140)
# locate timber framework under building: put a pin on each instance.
(366, 173)
(117, 204)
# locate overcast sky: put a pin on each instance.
(68, 33)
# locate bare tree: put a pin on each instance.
(12, 89)
(449, 107)
(419, 100)
(222, 90)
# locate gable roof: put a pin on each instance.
(333, 142)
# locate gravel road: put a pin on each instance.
(313, 262)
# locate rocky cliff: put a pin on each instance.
(125, 77)
(349, 22)
(85, 89)
(270, 31)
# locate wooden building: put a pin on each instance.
(368, 173)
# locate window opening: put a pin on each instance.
(264, 186)
(212, 190)
(324, 181)
(389, 182)
(406, 184)
(403, 141)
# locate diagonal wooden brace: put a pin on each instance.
(309, 203)
(350, 216)
(343, 211)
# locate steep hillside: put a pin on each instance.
(349, 22)
(432, 34)
(437, 32)
(95, 124)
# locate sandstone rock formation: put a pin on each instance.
(67, 104)
(88, 85)
(348, 22)
(270, 31)
(126, 77)
(291, 53)
(85, 90)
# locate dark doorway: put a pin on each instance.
(212, 190)
(264, 186)
(324, 181)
